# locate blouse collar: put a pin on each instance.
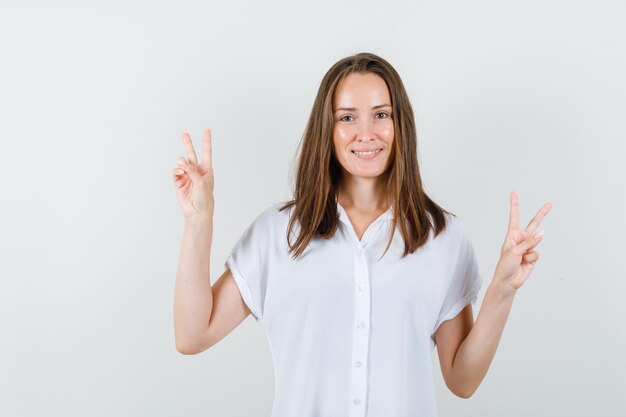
(343, 216)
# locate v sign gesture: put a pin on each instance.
(475, 345)
(194, 181)
(518, 256)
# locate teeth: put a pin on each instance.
(366, 153)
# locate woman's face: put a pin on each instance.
(363, 130)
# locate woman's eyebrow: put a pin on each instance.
(353, 109)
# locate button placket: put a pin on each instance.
(360, 337)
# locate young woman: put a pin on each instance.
(361, 274)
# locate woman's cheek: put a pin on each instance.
(388, 133)
(342, 134)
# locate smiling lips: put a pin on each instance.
(367, 155)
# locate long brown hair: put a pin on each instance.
(318, 172)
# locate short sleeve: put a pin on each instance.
(465, 281)
(248, 261)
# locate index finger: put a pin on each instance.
(191, 153)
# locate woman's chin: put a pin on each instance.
(360, 173)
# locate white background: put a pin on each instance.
(94, 97)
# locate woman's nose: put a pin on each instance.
(365, 130)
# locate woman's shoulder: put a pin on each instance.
(455, 230)
(272, 217)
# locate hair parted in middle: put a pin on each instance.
(318, 173)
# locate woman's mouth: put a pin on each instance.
(367, 155)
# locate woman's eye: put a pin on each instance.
(383, 113)
(344, 117)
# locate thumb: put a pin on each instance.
(527, 243)
(193, 173)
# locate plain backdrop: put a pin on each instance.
(94, 97)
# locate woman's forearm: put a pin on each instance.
(475, 354)
(193, 299)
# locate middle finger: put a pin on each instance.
(534, 223)
(191, 153)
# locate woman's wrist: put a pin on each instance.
(200, 220)
(502, 288)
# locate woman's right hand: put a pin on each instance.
(194, 181)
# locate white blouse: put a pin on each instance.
(351, 335)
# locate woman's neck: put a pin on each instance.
(366, 195)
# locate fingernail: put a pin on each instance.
(539, 235)
(180, 171)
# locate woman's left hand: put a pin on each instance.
(518, 256)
